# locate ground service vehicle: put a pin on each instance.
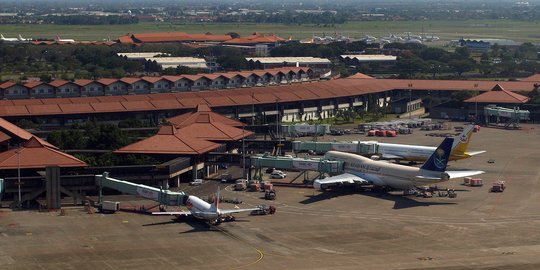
(264, 209)
(278, 175)
(270, 194)
(109, 207)
(196, 182)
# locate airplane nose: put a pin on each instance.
(316, 185)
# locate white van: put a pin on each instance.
(278, 174)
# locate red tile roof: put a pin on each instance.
(32, 84)
(130, 80)
(125, 39)
(151, 79)
(255, 38)
(533, 78)
(172, 78)
(263, 95)
(83, 82)
(15, 131)
(175, 37)
(58, 83)
(34, 154)
(7, 84)
(203, 111)
(169, 140)
(107, 81)
(210, 130)
(4, 137)
(360, 76)
(498, 95)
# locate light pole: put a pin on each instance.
(243, 154)
(410, 105)
(476, 106)
(277, 120)
(277, 129)
(19, 204)
(252, 109)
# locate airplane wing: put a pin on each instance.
(180, 213)
(337, 180)
(233, 211)
(393, 157)
(458, 174)
(474, 153)
(451, 175)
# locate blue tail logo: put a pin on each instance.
(439, 159)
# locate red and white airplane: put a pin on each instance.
(211, 213)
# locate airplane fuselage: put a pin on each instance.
(382, 173)
(407, 152)
(201, 209)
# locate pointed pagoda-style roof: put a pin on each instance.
(15, 131)
(169, 140)
(498, 95)
(4, 137)
(34, 154)
(209, 129)
(359, 75)
(201, 114)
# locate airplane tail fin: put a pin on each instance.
(439, 159)
(20, 37)
(2, 36)
(215, 205)
(461, 142)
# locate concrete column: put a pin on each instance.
(53, 187)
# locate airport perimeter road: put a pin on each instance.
(313, 230)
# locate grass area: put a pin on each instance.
(447, 30)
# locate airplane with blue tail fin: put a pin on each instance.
(360, 170)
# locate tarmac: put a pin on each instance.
(349, 229)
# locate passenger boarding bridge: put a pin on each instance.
(510, 118)
(364, 148)
(163, 196)
(319, 165)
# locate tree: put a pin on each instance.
(463, 52)
(432, 53)
(461, 66)
(233, 34)
(410, 66)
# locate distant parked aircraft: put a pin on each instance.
(360, 170)
(57, 38)
(406, 152)
(19, 39)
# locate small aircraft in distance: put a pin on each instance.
(57, 38)
(19, 39)
(202, 210)
(360, 170)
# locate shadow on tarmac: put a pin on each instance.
(400, 201)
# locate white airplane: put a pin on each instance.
(8, 40)
(200, 209)
(407, 152)
(57, 38)
(360, 170)
(20, 38)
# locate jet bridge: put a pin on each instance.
(364, 148)
(510, 118)
(290, 163)
(1, 188)
(164, 197)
